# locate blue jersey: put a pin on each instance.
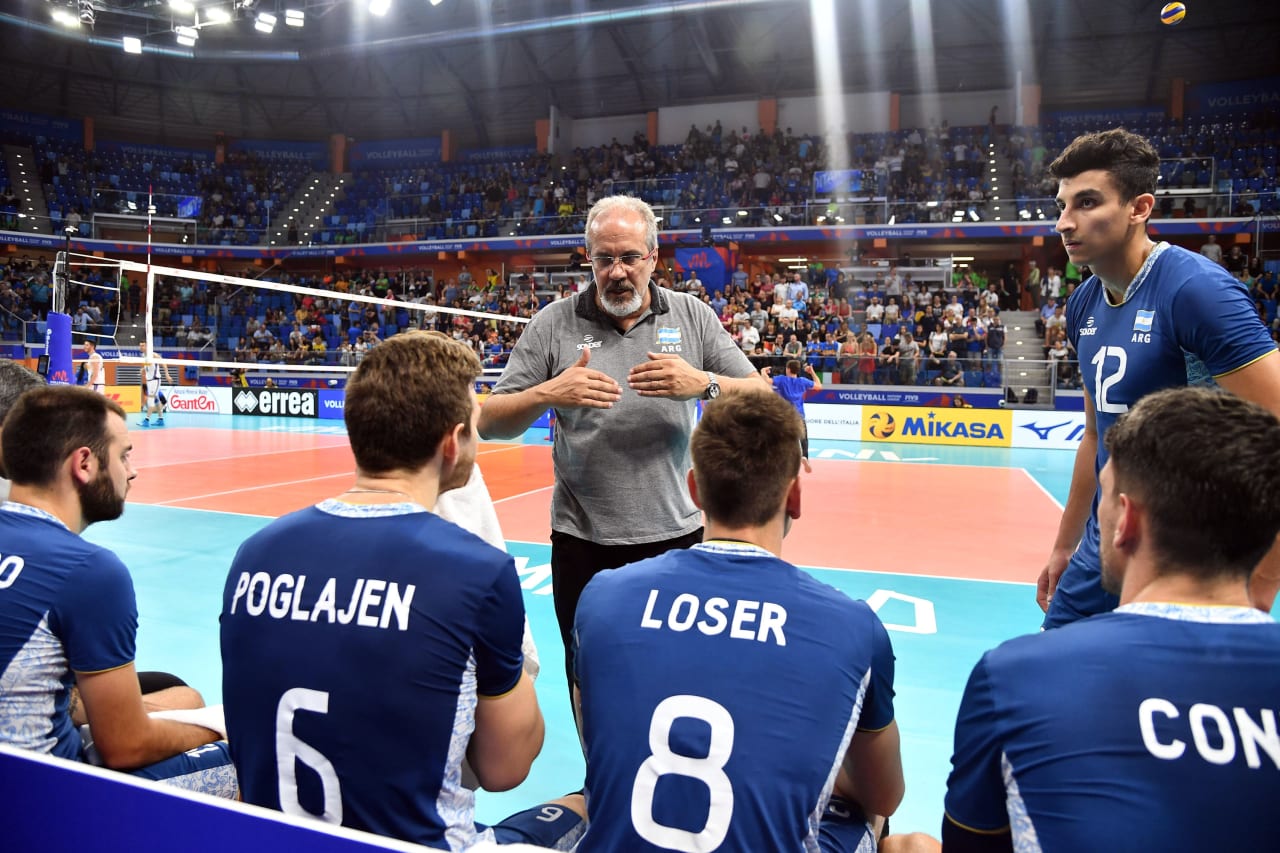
(66, 606)
(1184, 321)
(720, 689)
(356, 641)
(1150, 728)
(792, 389)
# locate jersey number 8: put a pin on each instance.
(709, 770)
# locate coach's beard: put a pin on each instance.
(616, 303)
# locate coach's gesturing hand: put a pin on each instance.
(580, 387)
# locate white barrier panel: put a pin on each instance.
(201, 400)
(833, 421)
(1048, 430)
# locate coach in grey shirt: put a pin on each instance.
(621, 363)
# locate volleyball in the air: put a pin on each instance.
(1173, 13)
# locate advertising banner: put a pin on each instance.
(395, 152)
(1236, 96)
(837, 181)
(837, 422)
(708, 263)
(1048, 430)
(509, 154)
(965, 427)
(165, 151)
(199, 400)
(331, 405)
(275, 402)
(315, 153)
(128, 396)
(23, 123)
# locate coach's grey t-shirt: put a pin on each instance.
(620, 472)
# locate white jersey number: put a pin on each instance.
(1101, 386)
(290, 749)
(708, 770)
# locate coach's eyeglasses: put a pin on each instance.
(630, 260)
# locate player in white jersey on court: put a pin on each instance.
(97, 379)
(152, 394)
(1151, 316)
(723, 690)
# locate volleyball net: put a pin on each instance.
(205, 322)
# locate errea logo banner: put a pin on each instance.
(284, 402)
(966, 427)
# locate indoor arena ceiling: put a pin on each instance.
(487, 69)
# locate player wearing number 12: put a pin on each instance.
(1152, 316)
(721, 689)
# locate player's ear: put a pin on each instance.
(1128, 524)
(693, 488)
(1142, 207)
(793, 499)
(83, 464)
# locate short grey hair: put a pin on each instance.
(614, 203)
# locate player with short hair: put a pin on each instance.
(68, 615)
(368, 645)
(793, 387)
(1151, 316)
(97, 378)
(722, 689)
(152, 395)
(15, 380)
(1151, 727)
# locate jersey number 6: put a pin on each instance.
(290, 749)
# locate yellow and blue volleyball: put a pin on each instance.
(1173, 13)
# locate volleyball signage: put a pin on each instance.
(275, 402)
(199, 400)
(967, 427)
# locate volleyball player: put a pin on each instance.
(68, 614)
(97, 371)
(152, 396)
(1152, 727)
(1151, 316)
(369, 645)
(722, 689)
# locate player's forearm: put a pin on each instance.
(509, 415)
(155, 741)
(752, 382)
(1084, 482)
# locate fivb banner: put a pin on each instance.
(837, 181)
(315, 154)
(1237, 96)
(965, 427)
(156, 151)
(707, 263)
(509, 154)
(395, 152)
(1122, 117)
(22, 123)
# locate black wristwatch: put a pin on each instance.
(713, 387)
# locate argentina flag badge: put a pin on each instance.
(1142, 321)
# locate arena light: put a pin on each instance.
(436, 2)
(132, 44)
(182, 7)
(62, 16)
(294, 17)
(379, 7)
(216, 15)
(187, 36)
(265, 23)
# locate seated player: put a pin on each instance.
(369, 646)
(14, 380)
(1151, 727)
(68, 618)
(722, 689)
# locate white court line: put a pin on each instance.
(1041, 487)
(218, 511)
(860, 571)
(239, 456)
(524, 495)
(254, 488)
